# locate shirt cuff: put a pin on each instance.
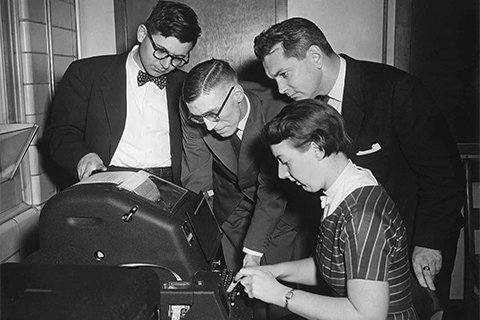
(253, 253)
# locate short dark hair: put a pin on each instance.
(174, 19)
(296, 35)
(306, 121)
(205, 76)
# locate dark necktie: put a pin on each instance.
(236, 143)
(143, 78)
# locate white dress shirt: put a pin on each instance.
(145, 140)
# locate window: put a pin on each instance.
(11, 195)
(38, 42)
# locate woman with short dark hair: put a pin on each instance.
(362, 245)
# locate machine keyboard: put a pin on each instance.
(226, 277)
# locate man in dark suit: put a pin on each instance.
(121, 111)
(397, 131)
(225, 158)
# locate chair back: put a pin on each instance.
(425, 301)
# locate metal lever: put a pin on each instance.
(127, 217)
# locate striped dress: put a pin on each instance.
(364, 238)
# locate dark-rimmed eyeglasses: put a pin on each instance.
(210, 116)
(162, 53)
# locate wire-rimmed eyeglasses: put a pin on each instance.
(210, 116)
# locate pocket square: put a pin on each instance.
(375, 147)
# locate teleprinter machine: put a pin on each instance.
(131, 218)
(138, 220)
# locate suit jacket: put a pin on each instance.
(89, 112)
(400, 134)
(210, 163)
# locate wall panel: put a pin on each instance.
(351, 27)
(229, 27)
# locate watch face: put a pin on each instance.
(288, 296)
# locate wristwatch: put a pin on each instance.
(288, 296)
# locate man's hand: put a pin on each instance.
(251, 260)
(89, 163)
(427, 263)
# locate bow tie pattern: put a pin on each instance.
(143, 78)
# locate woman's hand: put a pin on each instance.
(261, 284)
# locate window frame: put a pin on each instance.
(12, 108)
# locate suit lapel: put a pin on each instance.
(115, 99)
(251, 136)
(174, 86)
(223, 149)
(352, 99)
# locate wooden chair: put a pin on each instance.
(470, 154)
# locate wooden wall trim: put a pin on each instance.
(121, 25)
(385, 31)
(120, 16)
(281, 10)
(403, 34)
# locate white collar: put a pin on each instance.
(337, 91)
(351, 178)
(131, 62)
(243, 122)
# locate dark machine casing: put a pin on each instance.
(201, 298)
(78, 292)
(156, 225)
(102, 224)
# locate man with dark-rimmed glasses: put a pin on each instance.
(225, 159)
(211, 118)
(161, 54)
(120, 112)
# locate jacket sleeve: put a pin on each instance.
(64, 136)
(431, 152)
(269, 209)
(196, 157)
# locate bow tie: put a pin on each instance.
(143, 78)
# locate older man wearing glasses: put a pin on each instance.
(121, 112)
(225, 158)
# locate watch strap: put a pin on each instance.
(288, 296)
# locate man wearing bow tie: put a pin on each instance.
(122, 111)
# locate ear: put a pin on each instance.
(238, 93)
(141, 33)
(317, 150)
(316, 55)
